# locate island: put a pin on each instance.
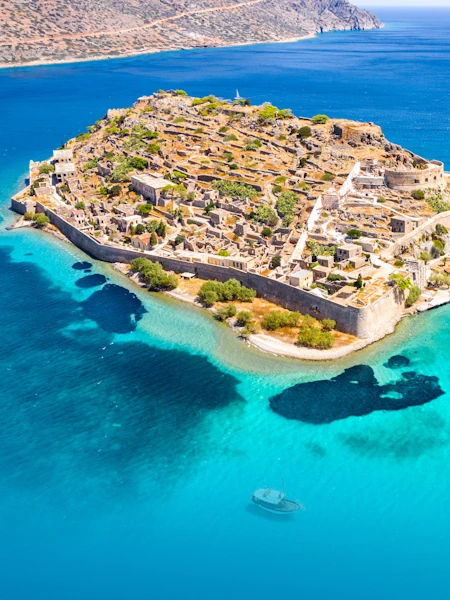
(50, 31)
(311, 236)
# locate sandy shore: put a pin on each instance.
(43, 63)
(271, 345)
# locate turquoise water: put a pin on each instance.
(133, 429)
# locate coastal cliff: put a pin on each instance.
(48, 31)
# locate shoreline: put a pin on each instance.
(68, 61)
(271, 345)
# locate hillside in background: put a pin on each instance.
(45, 31)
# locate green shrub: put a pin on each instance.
(312, 337)
(264, 214)
(398, 263)
(243, 318)
(320, 119)
(437, 204)
(80, 206)
(40, 220)
(285, 206)
(230, 138)
(235, 189)
(355, 234)
(226, 312)
(223, 252)
(418, 194)
(266, 232)
(328, 324)
(46, 169)
(304, 132)
(276, 189)
(276, 319)
(281, 179)
(180, 93)
(327, 177)
(441, 230)
(414, 294)
(270, 112)
(224, 129)
(275, 261)
(145, 209)
(252, 145)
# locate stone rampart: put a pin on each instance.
(361, 322)
(431, 176)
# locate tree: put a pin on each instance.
(80, 206)
(320, 119)
(145, 209)
(153, 239)
(28, 216)
(266, 232)
(140, 229)
(161, 230)
(180, 93)
(359, 284)
(355, 234)
(223, 252)
(225, 313)
(275, 261)
(414, 294)
(425, 256)
(403, 283)
(179, 239)
(154, 275)
(41, 220)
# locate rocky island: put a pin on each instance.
(47, 31)
(311, 236)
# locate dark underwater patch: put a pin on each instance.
(91, 281)
(404, 440)
(397, 362)
(84, 409)
(114, 309)
(28, 254)
(354, 393)
(80, 266)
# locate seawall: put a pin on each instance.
(362, 322)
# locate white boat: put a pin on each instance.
(275, 501)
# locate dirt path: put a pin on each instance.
(111, 32)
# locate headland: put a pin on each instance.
(316, 233)
(46, 32)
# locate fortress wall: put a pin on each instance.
(427, 227)
(361, 322)
(431, 177)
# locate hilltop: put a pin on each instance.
(48, 31)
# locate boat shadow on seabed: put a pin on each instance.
(254, 510)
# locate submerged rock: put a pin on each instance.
(356, 392)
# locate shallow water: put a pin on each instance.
(133, 429)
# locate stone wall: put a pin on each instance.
(361, 322)
(432, 176)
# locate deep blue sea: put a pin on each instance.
(133, 429)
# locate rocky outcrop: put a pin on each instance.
(54, 30)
